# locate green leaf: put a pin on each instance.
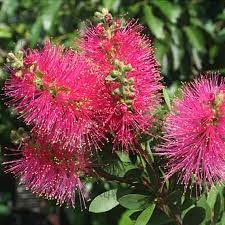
(223, 219)
(195, 216)
(170, 10)
(221, 16)
(218, 208)
(159, 218)
(112, 4)
(221, 35)
(195, 37)
(165, 64)
(9, 7)
(154, 23)
(161, 50)
(173, 90)
(134, 9)
(211, 198)
(45, 20)
(123, 156)
(122, 192)
(147, 148)
(163, 175)
(104, 202)
(208, 26)
(167, 98)
(176, 34)
(202, 202)
(35, 32)
(134, 201)
(213, 52)
(4, 210)
(197, 58)
(177, 53)
(5, 31)
(49, 13)
(145, 216)
(125, 218)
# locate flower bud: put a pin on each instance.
(99, 15)
(16, 60)
(117, 23)
(100, 28)
(105, 11)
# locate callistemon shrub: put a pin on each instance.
(48, 171)
(95, 113)
(58, 93)
(128, 67)
(195, 132)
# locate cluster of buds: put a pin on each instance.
(125, 91)
(104, 15)
(16, 61)
(106, 22)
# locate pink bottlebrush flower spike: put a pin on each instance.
(58, 93)
(127, 64)
(195, 132)
(50, 172)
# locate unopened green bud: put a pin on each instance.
(131, 80)
(128, 101)
(117, 63)
(105, 11)
(99, 15)
(16, 60)
(10, 56)
(128, 67)
(53, 92)
(38, 82)
(126, 81)
(38, 74)
(116, 91)
(110, 78)
(31, 68)
(19, 73)
(115, 73)
(132, 88)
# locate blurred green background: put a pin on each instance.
(188, 37)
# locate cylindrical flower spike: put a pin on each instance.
(58, 93)
(50, 172)
(126, 62)
(195, 132)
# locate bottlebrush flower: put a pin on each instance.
(126, 63)
(195, 132)
(58, 93)
(50, 172)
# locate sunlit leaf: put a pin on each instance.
(195, 37)
(104, 202)
(154, 23)
(49, 13)
(145, 216)
(170, 10)
(134, 201)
